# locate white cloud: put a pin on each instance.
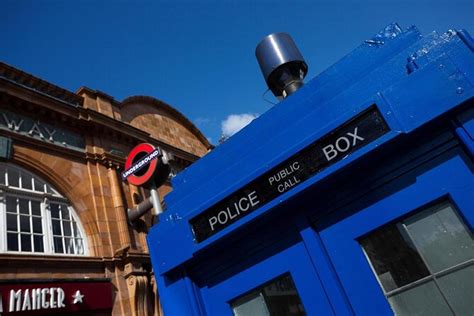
(235, 122)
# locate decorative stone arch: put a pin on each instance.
(43, 168)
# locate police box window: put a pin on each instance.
(276, 298)
(425, 263)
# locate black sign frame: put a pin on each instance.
(359, 131)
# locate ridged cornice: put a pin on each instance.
(27, 80)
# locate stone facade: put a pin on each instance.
(90, 179)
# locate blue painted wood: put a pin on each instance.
(420, 85)
(452, 178)
(413, 100)
(464, 125)
(314, 299)
(326, 272)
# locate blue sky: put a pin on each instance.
(198, 56)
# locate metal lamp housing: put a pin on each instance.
(282, 64)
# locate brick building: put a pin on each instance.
(65, 243)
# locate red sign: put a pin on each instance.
(141, 164)
(45, 298)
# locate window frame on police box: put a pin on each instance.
(47, 196)
(260, 291)
(432, 275)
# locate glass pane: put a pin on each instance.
(11, 204)
(251, 306)
(277, 298)
(25, 224)
(423, 300)
(58, 245)
(2, 174)
(12, 222)
(54, 210)
(69, 242)
(24, 206)
(38, 243)
(67, 228)
(458, 288)
(49, 190)
(56, 227)
(26, 181)
(79, 246)
(25, 242)
(12, 242)
(282, 298)
(39, 185)
(36, 208)
(441, 237)
(64, 212)
(13, 177)
(393, 257)
(76, 230)
(37, 225)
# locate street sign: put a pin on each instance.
(141, 164)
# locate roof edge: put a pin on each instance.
(23, 78)
(168, 108)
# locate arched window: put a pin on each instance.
(35, 218)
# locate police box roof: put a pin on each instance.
(380, 71)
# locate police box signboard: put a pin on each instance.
(350, 136)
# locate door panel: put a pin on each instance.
(293, 260)
(452, 180)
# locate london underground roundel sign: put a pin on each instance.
(141, 164)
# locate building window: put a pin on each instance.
(34, 217)
(425, 263)
(276, 298)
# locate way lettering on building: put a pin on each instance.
(27, 126)
(322, 153)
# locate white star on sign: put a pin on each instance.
(77, 297)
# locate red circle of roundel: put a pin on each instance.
(141, 148)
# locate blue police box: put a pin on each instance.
(352, 196)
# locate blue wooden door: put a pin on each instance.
(410, 250)
(293, 263)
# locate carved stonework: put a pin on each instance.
(139, 295)
(156, 302)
